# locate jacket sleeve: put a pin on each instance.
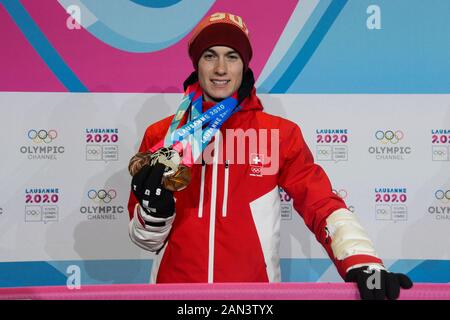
(310, 188)
(146, 231)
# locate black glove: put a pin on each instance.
(382, 284)
(153, 198)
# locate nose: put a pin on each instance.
(221, 66)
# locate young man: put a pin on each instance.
(225, 224)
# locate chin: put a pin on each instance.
(219, 97)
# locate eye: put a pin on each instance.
(208, 56)
(233, 57)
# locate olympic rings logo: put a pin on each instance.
(382, 211)
(389, 136)
(32, 212)
(42, 136)
(443, 196)
(322, 152)
(102, 195)
(439, 152)
(92, 151)
(340, 193)
(256, 170)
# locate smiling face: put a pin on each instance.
(220, 71)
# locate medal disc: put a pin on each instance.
(176, 177)
(179, 180)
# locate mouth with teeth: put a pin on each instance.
(219, 83)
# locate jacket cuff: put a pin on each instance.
(359, 259)
(149, 220)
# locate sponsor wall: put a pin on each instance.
(367, 83)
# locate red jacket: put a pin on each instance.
(227, 221)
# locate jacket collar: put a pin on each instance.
(251, 103)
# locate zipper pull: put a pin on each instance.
(225, 190)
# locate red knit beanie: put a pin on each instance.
(220, 29)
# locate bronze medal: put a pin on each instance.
(176, 177)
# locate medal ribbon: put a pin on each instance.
(188, 135)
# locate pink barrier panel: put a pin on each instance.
(219, 291)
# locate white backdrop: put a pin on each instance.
(51, 211)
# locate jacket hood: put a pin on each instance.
(252, 102)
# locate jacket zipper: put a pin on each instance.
(225, 189)
(202, 190)
(212, 217)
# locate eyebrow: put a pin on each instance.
(227, 53)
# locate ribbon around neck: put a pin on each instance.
(193, 137)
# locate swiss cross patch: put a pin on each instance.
(256, 164)
(256, 159)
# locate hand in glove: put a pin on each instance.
(378, 284)
(153, 198)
